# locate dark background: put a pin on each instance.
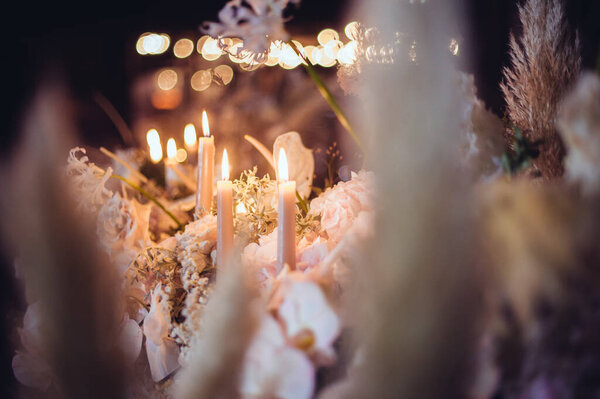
(89, 44)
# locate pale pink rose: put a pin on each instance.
(272, 369)
(163, 352)
(122, 229)
(309, 321)
(311, 253)
(262, 256)
(341, 204)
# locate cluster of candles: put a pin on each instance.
(205, 147)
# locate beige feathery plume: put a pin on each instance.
(545, 62)
(224, 334)
(416, 305)
(60, 263)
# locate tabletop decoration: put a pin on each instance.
(238, 285)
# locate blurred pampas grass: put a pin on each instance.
(230, 319)
(545, 60)
(417, 310)
(62, 267)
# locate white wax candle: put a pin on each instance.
(170, 174)
(224, 214)
(206, 163)
(286, 220)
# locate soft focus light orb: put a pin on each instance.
(316, 55)
(201, 80)
(181, 155)
(288, 58)
(167, 79)
(326, 35)
(332, 47)
(183, 48)
(351, 30)
(326, 61)
(200, 43)
(347, 54)
(152, 43)
(211, 50)
(224, 73)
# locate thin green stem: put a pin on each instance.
(302, 203)
(150, 197)
(328, 96)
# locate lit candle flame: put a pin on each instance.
(171, 148)
(225, 166)
(205, 128)
(153, 140)
(282, 166)
(189, 135)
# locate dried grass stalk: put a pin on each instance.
(415, 307)
(545, 61)
(61, 264)
(226, 329)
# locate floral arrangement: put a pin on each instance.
(168, 272)
(433, 291)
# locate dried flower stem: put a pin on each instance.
(150, 197)
(328, 96)
(126, 164)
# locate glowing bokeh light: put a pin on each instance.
(224, 73)
(181, 155)
(167, 79)
(211, 50)
(351, 30)
(183, 48)
(327, 35)
(201, 80)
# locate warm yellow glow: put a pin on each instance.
(225, 73)
(347, 54)
(183, 48)
(326, 61)
(351, 30)
(205, 127)
(315, 55)
(240, 208)
(282, 166)
(225, 166)
(152, 43)
(331, 48)
(326, 35)
(189, 135)
(200, 43)
(201, 80)
(181, 155)
(211, 50)
(171, 148)
(167, 79)
(153, 140)
(288, 58)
